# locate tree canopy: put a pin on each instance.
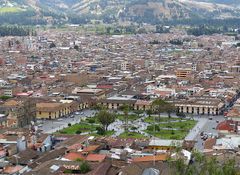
(105, 118)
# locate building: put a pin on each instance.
(89, 93)
(125, 66)
(50, 110)
(162, 144)
(200, 105)
(53, 110)
(117, 101)
(183, 73)
(20, 112)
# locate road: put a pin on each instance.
(208, 127)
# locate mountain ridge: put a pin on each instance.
(148, 11)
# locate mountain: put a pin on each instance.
(227, 2)
(149, 11)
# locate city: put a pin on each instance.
(99, 99)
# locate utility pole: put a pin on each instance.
(154, 132)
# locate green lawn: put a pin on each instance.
(134, 135)
(168, 134)
(182, 127)
(131, 117)
(83, 127)
(10, 9)
(92, 120)
(162, 119)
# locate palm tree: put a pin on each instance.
(160, 106)
(149, 112)
(170, 108)
(125, 108)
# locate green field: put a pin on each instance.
(10, 9)
(177, 130)
(134, 135)
(182, 125)
(131, 117)
(82, 127)
(162, 119)
(168, 134)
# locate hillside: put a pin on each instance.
(149, 11)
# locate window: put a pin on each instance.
(40, 112)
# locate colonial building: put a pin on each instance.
(200, 105)
(20, 112)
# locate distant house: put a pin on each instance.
(162, 144)
(227, 127)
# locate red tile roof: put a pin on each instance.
(96, 157)
(75, 146)
(90, 148)
(74, 156)
(227, 125)
(161, 157)
(209, 143)
(12, 169)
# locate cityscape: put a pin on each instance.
(125, 98)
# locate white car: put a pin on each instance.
(77, 113)
(60, 119)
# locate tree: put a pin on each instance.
(99, 107)
(149, 112)
(78, 132)
(138, 112)
(170, 108)
(85, 167)
(159, 105)
(201, 165)
(125, 108)
(105, 118)
(100, 131)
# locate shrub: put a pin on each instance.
(69, 124)
(100, 131)
(91, 120)
(85, 167)
(79, 159)
(78, 132)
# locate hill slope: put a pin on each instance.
(114, 10)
